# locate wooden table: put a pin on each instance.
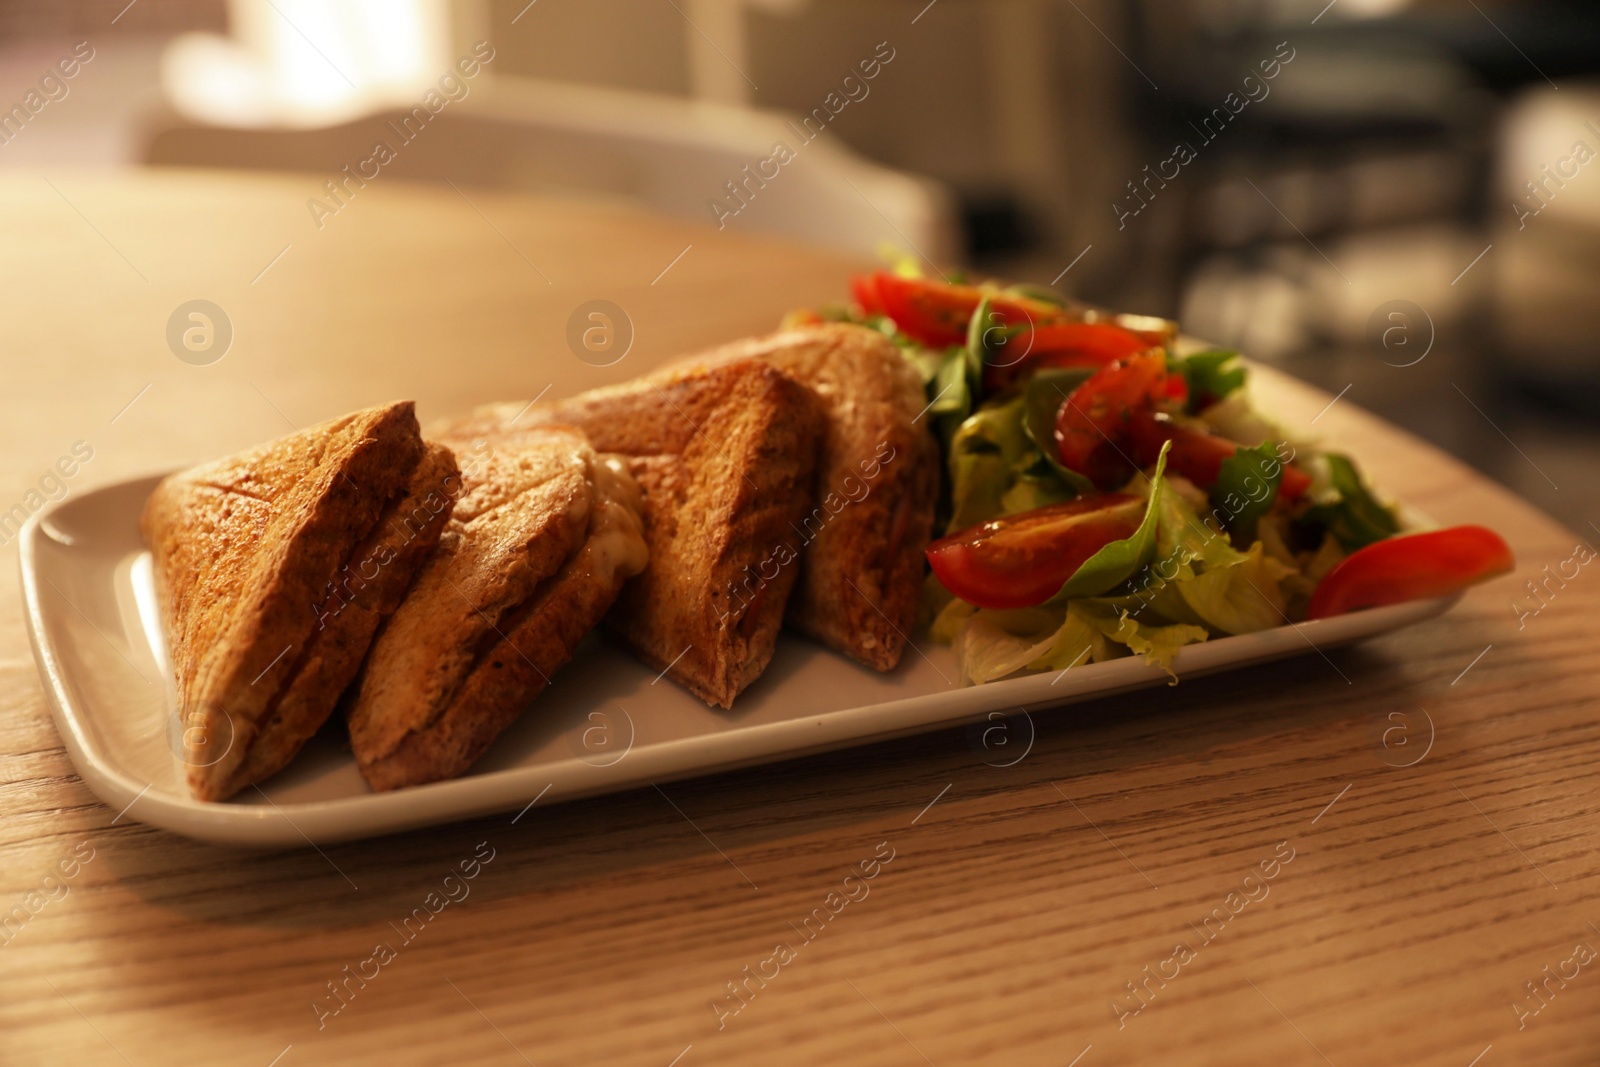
(1021, 901)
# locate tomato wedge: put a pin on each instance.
(1063, 344)
(864, 291)
(1412, 567)
(936, 313)
(1195, 454)
(1023, 560)
(1092, 424)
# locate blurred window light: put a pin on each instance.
(307, 63)
(1368, 9)
(1233, 15)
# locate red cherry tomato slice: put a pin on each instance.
(1093, 422)
(1195, 454)
(1063, 344)
(1412, 567)
(1023, 560)
(937, 314)
(930, 312)
(864, 291)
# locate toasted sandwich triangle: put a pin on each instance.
(725, 461)
(877, 485)
(543, 538)
(274, 567)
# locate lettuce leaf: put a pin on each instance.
(1077, 640)
(996, 469)
(1236, 419)
(951, 618)
(1037, 485)
(1042, 293)
(983, 457)
(1157, 644)
(1197, 576)
(993, 644)
(1240, 597)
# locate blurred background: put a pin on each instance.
(1398, 201)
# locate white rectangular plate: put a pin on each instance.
(605, 724)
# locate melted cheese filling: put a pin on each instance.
(616, 531)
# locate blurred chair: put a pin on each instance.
(671, 155)
(251, 101)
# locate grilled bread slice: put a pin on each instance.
(725, 460)
(877, 485)
(539, 545)
(275, 566)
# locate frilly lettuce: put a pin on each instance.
(993, 644)
(1198, 576)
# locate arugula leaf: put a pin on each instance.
(988, 336)
(948, 391)
(1210, 378)
(1246, 487)
(981, 336)
(1042, 399)
(1120, 560)
(1356, 519)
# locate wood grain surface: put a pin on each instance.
(1425, 803)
